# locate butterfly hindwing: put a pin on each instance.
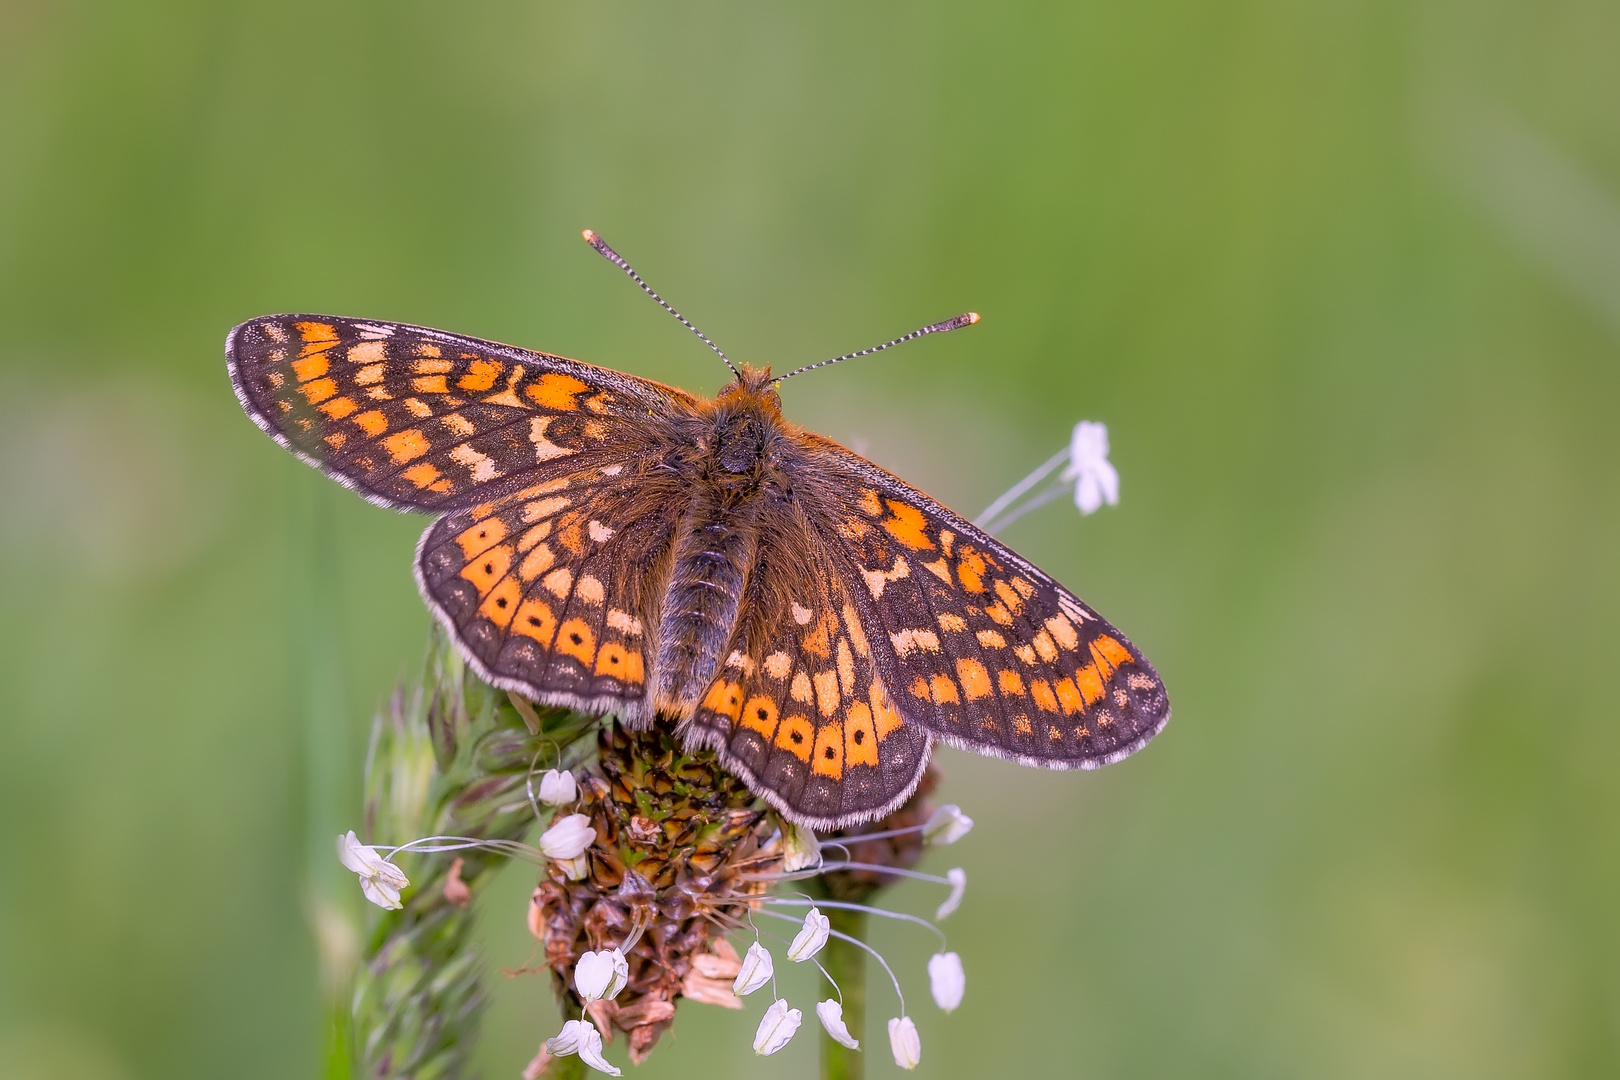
(798, 708)
(419, 419)
(977, 645)
(548, 587)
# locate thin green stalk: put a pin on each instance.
(846, 963)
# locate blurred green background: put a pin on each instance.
(1343, 279)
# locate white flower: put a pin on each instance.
(831, 1015)
(557, 788)
(1096, 481)
(756, 970)
(380, 879)
(946, 825)
(945, 979)
(602, 975)
(904, 1042)
(958, 879)
(568, 838)
(801, 850)
(776, 1028)
(581, 1037)
(811, 936)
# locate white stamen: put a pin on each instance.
(602, 975)
(568, 838)
(380, 880)
(811, 936)
(947, 825)
(557, 788)
(958, 879)
(945, 980)
(776, 1028)
(831, 1015)
(903, 1041)
(581, 1037)
(756, 971)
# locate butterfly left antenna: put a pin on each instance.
(616, 259)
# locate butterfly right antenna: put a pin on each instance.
(967, 318)
(616, 259)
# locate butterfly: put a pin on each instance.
(617, 546)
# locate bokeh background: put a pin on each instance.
(1343, 279)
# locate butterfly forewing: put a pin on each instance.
(979, 647)
(421, 419)
(799, 710)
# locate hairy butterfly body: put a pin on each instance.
(619, 546)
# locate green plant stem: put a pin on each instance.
(566, 1068)
(846, 963)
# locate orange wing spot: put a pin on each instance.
(919, 688)
(594, 430)
(488, 568)
(1043, 645)
(543, 508)
(946, 540)
(907, 525)
(884, 717)
(990, 639)
(819, 640)
(951, 622)
(502, 602)
(276, 333)
(318, 391)
(612, 660)
(760, 715)
(317, 336)
(846, 666)
(999, 614)
(370, 375)
(1053, 734)
(940, 569)
(588, 589)
(1026, 653)
(974, 678)
(633, 670)
(1069, 697)
(1021, 725)
(853, 528)
(797, 736)
(556, 391)
(482, 511)
(508, 397)
(310, 367)
(828, 757)
(373, 423)
(429, 384)
(1104, 718)
(1063, 632)
(338, 408)
(1025, 589)
(970, 569)
(336, 440)
(1082, 732)
(827, 697)
(367, 352)
(860, 738)
(481, 375)
(536, 562)
(572, 538)
(421, 475)
(869, 503)
(1090, 682)
(724, 698)
(1011, 683)
(944, 690)
(1009, 596)
(459, 425)
(434, 366)
(800, 690)
(857, 633)
(574, 638)
(426, 349)
(481, 537)
(1106, 650)
(406, 445)
(1041, 691)
(1141, 682)
(558, 582)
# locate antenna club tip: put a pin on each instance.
(972, 317)
(590, 237)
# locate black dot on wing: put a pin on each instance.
(829, 754)
(797, 738)
(489, 568)
(500, 601)
(860, 737)
(534, 620)
(574, 637)
(761, 713)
